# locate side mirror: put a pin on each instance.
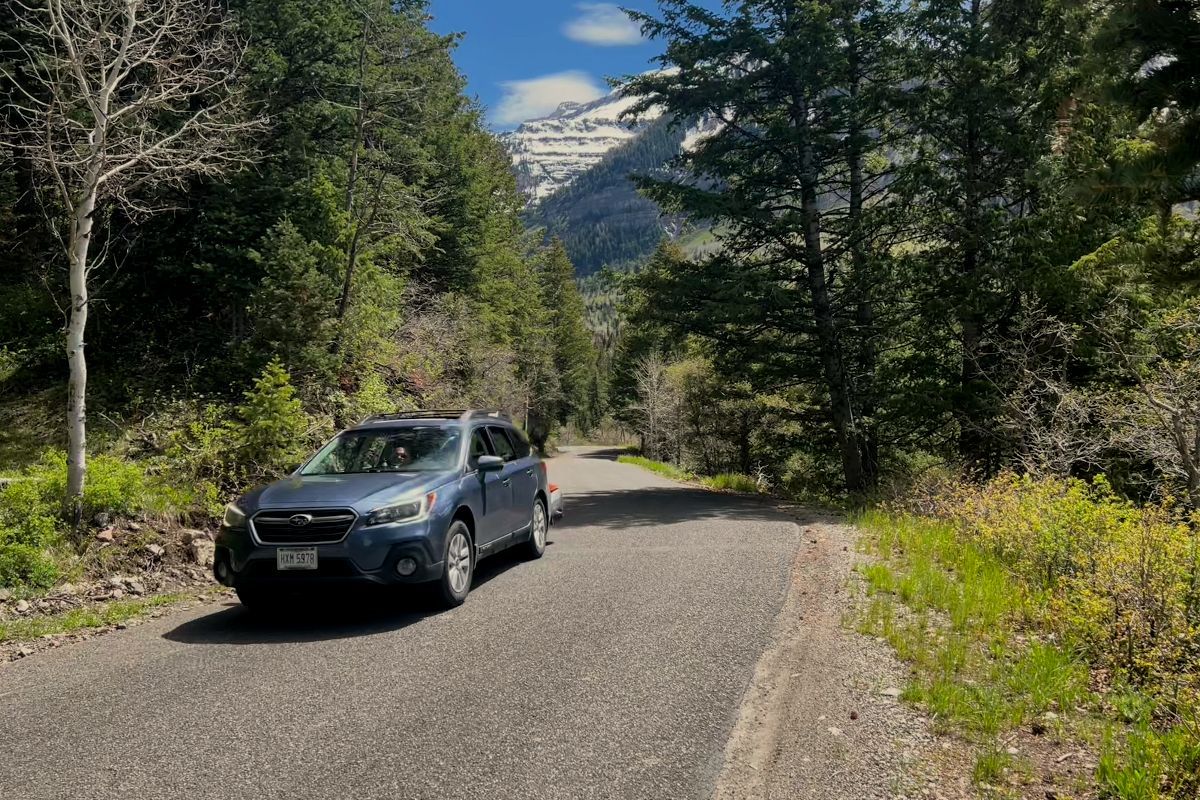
(489, 463)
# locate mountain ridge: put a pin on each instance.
(576, 167)
(552, 151)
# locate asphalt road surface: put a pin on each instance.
(611, 668)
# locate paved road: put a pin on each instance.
(611, 668)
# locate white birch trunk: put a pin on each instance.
(81, 237)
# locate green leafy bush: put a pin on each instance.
(1119, 581)
(23, 565)
(197, 465)
(113, 485)
(373, 396)
(31, 525)
(27, 515)
(1152, 764)
(203, 452)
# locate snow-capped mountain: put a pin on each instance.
(549, 153)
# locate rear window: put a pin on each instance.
(519, 442)
(500, 441)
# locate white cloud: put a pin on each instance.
(603, 24)
(537, 97)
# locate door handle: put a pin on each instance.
(506, 481)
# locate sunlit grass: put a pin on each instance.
(666, 470)
(732, 482)
(958, 631)
(725, 482)
(78, 619)
(991, 766)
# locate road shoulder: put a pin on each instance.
(820, 717)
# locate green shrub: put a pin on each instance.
(1116, 580)
(374, 396)
(24, 565)
(1089, 579)
(27, 514)
(197, 467)
(203, 452)
(113, 485)
(1151, 764)
(31, 524)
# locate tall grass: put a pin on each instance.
(732, 482)
(725, 482)
(666, 470)
(1016, 592)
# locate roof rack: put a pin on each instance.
(460, 414)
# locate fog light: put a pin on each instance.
(406, 566)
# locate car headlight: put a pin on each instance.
(408, 511)
(234, 517)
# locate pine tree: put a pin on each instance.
(570, 341)
(989, 81)
(1149, 53)
(274, 423)
(786, 86)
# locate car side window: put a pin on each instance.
(500, 441)
(479, 447)
(519, 442)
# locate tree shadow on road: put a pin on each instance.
(651, 506)
(322, 614)
(602, 453)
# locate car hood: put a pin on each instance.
(361, 492)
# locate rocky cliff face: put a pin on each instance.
(549, 153)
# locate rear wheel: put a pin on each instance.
(539, 525)
(459, 565)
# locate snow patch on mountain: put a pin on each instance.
(550, 152)
(697, 133)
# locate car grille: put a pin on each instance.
(327, 526)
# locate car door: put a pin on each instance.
(525, 476)
(511, 474)
(495, 504)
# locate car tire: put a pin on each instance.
(458, 565)
(539, 529)
(254, 599)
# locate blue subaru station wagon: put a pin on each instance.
(398, 499)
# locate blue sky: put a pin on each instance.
(524, 57)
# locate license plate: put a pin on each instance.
(296, 558)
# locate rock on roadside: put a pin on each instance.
(202, 551)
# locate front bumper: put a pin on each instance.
(365, 556)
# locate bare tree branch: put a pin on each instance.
(113, 93)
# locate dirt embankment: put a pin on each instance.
(129, 569)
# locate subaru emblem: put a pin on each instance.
(300, 520)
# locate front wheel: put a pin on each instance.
(459, 565)
(538, 527)
(255, 599)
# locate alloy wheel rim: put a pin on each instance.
(460, 562)
(539, 526)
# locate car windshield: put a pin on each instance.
(410, 449)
